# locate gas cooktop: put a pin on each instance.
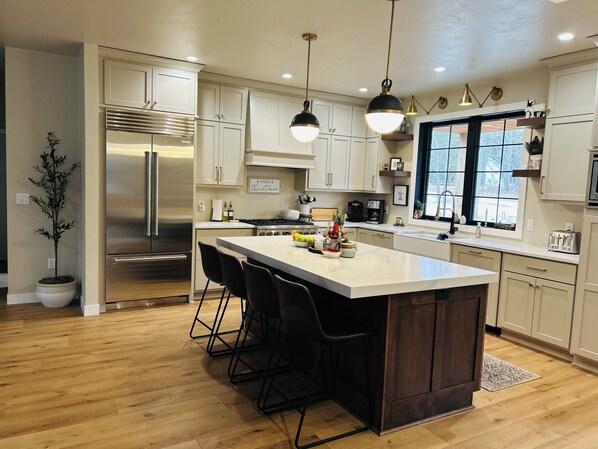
(278, 226)
(259, 222)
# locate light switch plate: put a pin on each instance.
(22, 198)
(530, 224)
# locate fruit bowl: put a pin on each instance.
(300, 244)
(331, 253)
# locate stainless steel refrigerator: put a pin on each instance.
(149, 205)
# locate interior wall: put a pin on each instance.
(41, 96)
(3, 249)
(547, 215)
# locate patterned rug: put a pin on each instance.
(498, 374)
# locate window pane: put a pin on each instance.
(507, 211)
(459, 135)
(492, 132)
(513, 134)
(456, 160)
(436, 183)
(482, 206)
(512, 157)
(431, 203)
(489, 158)
(440, 137)
(454, 183)
(438, 160)
(487, 184)
(509, 186)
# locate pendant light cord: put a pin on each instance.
(308, 57)
(392, 16)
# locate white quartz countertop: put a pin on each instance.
(373, 272)
(222, 225)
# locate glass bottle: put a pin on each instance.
(225, 212)
(231, 212)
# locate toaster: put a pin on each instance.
(564, 241)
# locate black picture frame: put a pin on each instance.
(394, 163)
(400, 195)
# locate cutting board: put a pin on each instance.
(323, 213)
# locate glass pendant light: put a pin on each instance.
(385, 112)
(305, 126)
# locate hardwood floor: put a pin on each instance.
(133, 379)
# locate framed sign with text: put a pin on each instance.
(263, 185)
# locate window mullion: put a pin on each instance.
(473, 138)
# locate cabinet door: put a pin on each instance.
(351, 234)
(127, 84)
(553, 308)
(233, 104)
(356, 164)
(565, 164)
(338, 162)
(358, 123)
(206, 152)
(342, 119)
(370, 168)
(231, 154)
(516, 304)
(265, 132)
(485, 260)
(381, 239)
(208, 106)
(318, 177)
(364, 236)
(174, 91)
(573, 90)
(323, 111)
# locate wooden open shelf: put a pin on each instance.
(397, 137)
(395, 173)
(532, 122)
(526, 173)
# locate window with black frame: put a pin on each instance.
(473, 159)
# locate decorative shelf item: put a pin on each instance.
(397, 137)
(395, 173)
(526, 173)
(532, 122)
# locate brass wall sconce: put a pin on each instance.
(412, 109)
(495, 94)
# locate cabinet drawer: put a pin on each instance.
(545, 269)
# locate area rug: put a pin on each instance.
(498, 374)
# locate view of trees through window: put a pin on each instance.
(474, 160)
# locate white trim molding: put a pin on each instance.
(90, 310)
(21, 298)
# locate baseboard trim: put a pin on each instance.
(21, 298)
(90, 310)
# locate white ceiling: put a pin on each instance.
(476, 40)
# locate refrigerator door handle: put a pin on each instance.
(155, 155)
(148, 195)
(142, 259)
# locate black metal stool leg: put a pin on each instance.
(238, 349)
(198, 320)
(216, 334)
(303, 408)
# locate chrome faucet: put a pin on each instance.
(452, 228)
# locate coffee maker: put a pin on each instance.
(375, 212)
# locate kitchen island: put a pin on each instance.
(428, 316)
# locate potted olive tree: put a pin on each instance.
(54, 177)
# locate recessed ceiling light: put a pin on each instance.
(363, 89)
(287, 76)
(440, 69)
(191, 58)
(566, 36)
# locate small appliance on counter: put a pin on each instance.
(355, 211)
(564, 241)
(375, 212)
(217, 209)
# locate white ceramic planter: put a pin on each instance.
(56, 295)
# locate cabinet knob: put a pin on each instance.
(154, 104)
(530, 284)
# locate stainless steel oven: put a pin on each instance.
(592, 197)
(276, 226)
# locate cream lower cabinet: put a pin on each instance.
(364, 236)
(376, 238)
(209, 236)
(485, 260)
(536, 298)
(584, 337)
(220, 152)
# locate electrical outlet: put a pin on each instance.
(530, 224)
(22, 198)
(568, 226)
(202, 206)
(51, 263)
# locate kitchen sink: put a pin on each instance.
(423, 243)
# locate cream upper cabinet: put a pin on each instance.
(149, 87)
(358, 123)
(573, 90)
(332, 163)
(356, 164)
(334, 118)
(220, 150)
(370, 165)
(485, 260)
(222, 103)
(584, 336)
(565, 160)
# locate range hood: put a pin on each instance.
(269, 139)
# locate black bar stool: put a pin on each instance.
(300, 316)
